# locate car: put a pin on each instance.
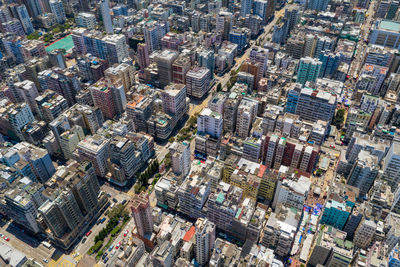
(126, 233)
(88, 233)
(46, 260)
(117, 246)
(115, 200)
(105, 260)
(6, 238)
(110, 248)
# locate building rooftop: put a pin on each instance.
(388, 25)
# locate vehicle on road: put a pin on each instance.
(105, 260)
(46, 260)
(110, 248)
(6, 238)
(126, 233)
(88, 233)
(100, 221)
(46, 244)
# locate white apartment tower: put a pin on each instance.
(209, 122)
(180, 155)
(205, 238)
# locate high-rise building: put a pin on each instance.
(50, 105)
(125, 160)
(57, 58)
(239, 36)
(330, 64)
(143, 56)
(28, 92)
(280, 229)
(141, 213)
(364, 234)
(22, 201)
(193, 194)
(210, 122)
(86, 20)
(174, 100)
(4, 15)
(112, 47)
(180, 158)
(292, 15)
(323, 44)
(13, 118)
(245, 8)
(372, 78)
(260, 9)
(170, 41)
(230, 113)
(34, 7)
(385, 33)
(41, 167)
(96, 150)
(105, 14)
(198, 82)
(309, 70)
(378, 55)
(164, 60)
(13, 26)
(62, 81)
(180, 67)
(70, 139)
(320, 5)
(88, 117)
(205, 238)
(224, 23)
(153, 32)
(309, 45)
(72, 200)
(25, 19)
(364, 172)
(247, 112)
(259, 55)
(109, 97)
(391, 166)
(103, 99)
(57, 8)
(206, 59)
(123, 72)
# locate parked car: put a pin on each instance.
(88, 233)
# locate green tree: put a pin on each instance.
(33, 36)
(338, 119)
(137, 188)
(219, 87)
(171, 139)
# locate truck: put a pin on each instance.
(46, 245)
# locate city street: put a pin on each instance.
(24, 243)
(113, 254)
